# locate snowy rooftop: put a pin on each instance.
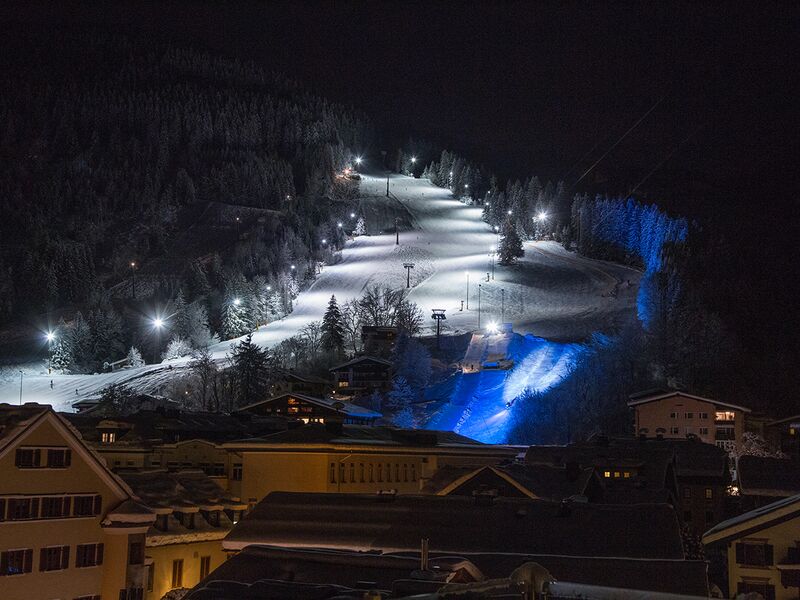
(346, 408)
(460, 524)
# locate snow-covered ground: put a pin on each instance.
(550, 292)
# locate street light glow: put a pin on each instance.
(158, 322)
(466, 185)
(352, 215)
(542, 216)
(358, 160)
(413, 159)
(339, 224)
(237, 301)
(509, 212)
(324, 241)
(50, 336)
(492, 327)
(292, 267)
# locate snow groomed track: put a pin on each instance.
(550, 292)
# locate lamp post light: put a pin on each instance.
(158, 324)
(237, 301)
(397, 231)
(479, 306)
(467, 274)
(352, 215)
(50, 337)
(502, 305)
(133, 278)
(21, 374)
(358, 160)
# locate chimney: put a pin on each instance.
(423, 555)
(564, 508)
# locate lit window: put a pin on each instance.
(606, 474)
(616, 474)
(108, 437)
(626, 474)
(725, 415)
(343, 384)
(16, 562)
(709, 493)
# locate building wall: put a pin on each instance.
(162, 558)
(295, 471)
(781, 537)
(79, 477)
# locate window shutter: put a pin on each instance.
(769, 592)
(67, 457)
(2, 509)
(3, 563)
(34, 508)
(80, 555)
(768, 554)
(740, 554)
(37, 458)
(65, 557)
(99, 554)
(98, 501)
(67, 506)
(28, 562)
(43, 559)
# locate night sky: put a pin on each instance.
(546, 89)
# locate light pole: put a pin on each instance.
(20, 386)
(479, 306)
(467, 273)
(492, 255)
(408, 266)
(438, 316)
(133, 277)
(397, 231)
(158, 325)
(502, 305)
(50, 336)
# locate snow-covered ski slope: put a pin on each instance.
(551, 293)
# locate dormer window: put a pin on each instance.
(108, 437)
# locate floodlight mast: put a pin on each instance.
(408, 266)
(438, 316)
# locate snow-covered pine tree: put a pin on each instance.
(405, 418)
(61, 356)
(401, 395)
(333, 329)
(135, 358)
(79, 339)
(179, 320)
(234, 323)
(510, 244)
(361, 228)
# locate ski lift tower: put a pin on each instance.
(438, 316)
(408, 266)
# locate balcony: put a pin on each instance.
(723, 435)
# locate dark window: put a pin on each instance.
(205, 566)
(405, 472)
(753, 554)
(219, 470)
(131, 594)
(54, 558)
(87, 506)
(20, 509)
(162, 522)
(380, 472)
(88, 555)
(361, 473)
(371, 471)
(2, 509)
(687, 516)
(29, 458)
(16, 562)
(136, 553)
(687, 493)
(333, 472)
(56, 507)
(747, 587)
(413, 472)
(236, 475)
(150, 576)
(352, 472)
(177, 573)
(341, 473)
(59, 458)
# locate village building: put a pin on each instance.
(288, 573)
(309, 409)
(378, 339)
(294, 383)
(678, 415)
(362, 376)
(784, 435)
(515, 480)
(192, 516)
(762, 480)
(337, 457)
(69, 527)
(763, 550)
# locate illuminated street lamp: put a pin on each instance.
(358, 160)
(158, 324)
(352, 215)
(324, 242)
(509, 213)
(413, 159)
(133, 278)
(50, 336)
(237, 301)
(339, 225)
(542, 216)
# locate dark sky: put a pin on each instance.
(527, 87)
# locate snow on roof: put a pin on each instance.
(317, 433)
(160, 489)
(759, 516)
(15, 419)
(346, 408)
(360, 359)
(457, 524)
(635, 401)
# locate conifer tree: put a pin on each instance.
(61, 356)
(250, 370)
(333, 328)
(401, 395)
(135, 359)
(234, 323)
(510, 244)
